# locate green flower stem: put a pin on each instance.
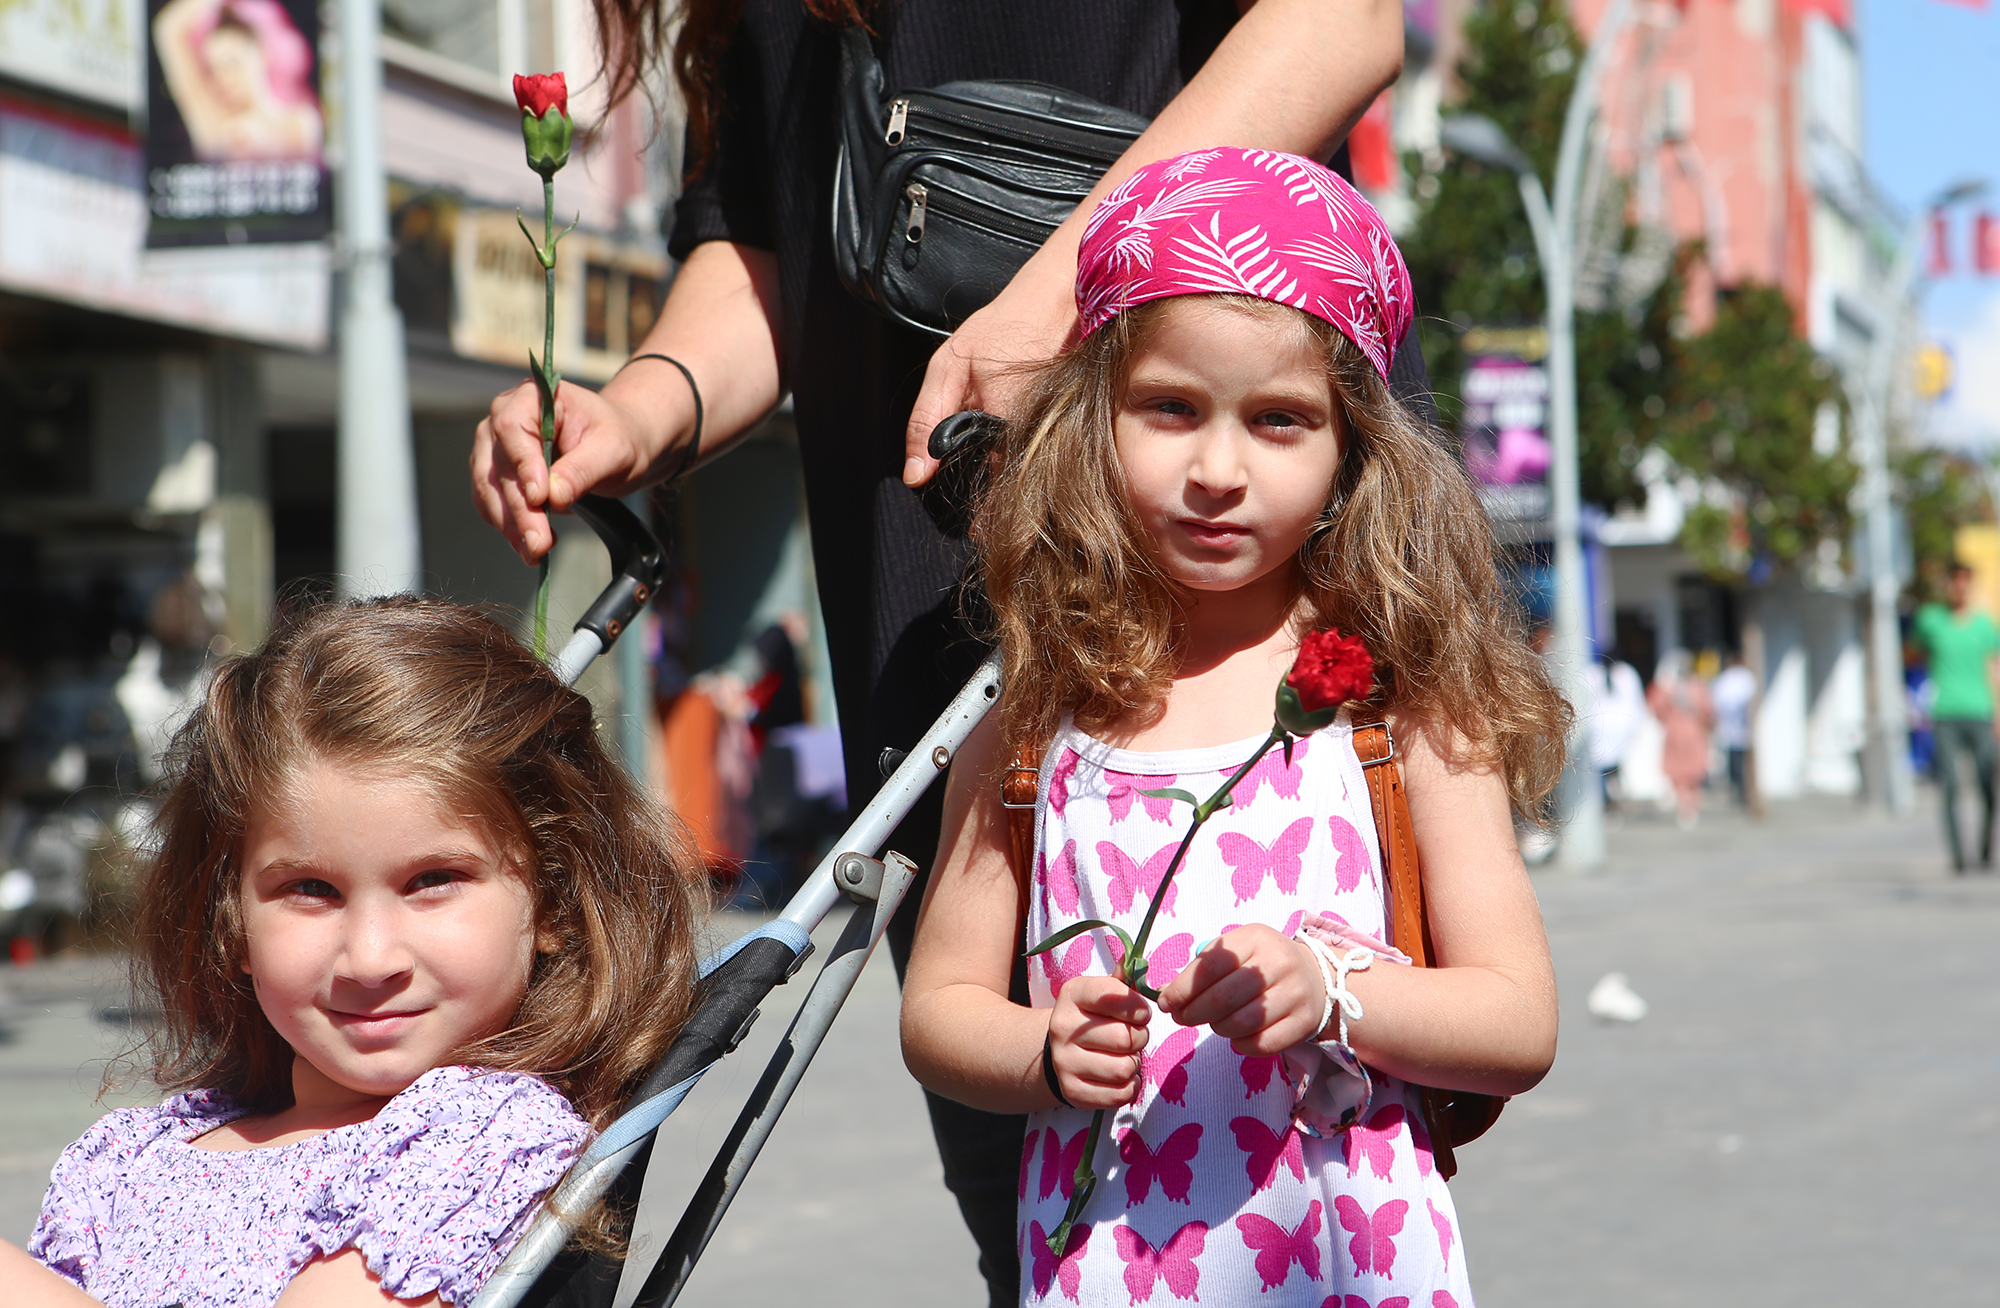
(1205, 810)
(1132, 971)
(548, 393)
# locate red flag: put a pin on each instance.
(1939, 263)
(1986, 244)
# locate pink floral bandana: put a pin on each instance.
(1247, 222)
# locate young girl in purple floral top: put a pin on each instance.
(415, 936)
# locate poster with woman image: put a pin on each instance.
(234, 130)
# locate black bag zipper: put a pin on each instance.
(926, 198)
(998, 127)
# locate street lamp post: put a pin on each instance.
(376, 550)
(1554, 227)
(1888, 726)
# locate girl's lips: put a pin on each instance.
(1212, 533)
(374, 1024)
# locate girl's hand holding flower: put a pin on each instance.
(1097, 1031)
(1260, 988)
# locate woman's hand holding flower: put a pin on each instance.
(1096, 1033)
(1260, 988)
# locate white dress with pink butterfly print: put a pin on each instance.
(1231, 1180)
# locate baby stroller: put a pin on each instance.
(542, 1270)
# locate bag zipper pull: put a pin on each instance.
(899, 118)
(919, 201)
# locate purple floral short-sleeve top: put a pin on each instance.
(433, 1190)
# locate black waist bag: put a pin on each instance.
(940, 195)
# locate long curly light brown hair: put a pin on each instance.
(1087, 622)
(443, 696)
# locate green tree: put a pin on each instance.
(1743, 419)
(1472, 254)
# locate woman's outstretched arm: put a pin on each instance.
(721, 320)
(1292, 75)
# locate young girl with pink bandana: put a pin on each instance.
(1213, 469)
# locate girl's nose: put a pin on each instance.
(1218, 466)
(375, 952)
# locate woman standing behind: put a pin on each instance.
(757, 311)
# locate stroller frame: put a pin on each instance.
(737, 978)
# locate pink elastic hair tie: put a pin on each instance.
(1247, 222)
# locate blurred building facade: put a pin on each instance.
(167, 437)
(1736, 123)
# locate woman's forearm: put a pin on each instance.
(1292, 75)
(721, 320)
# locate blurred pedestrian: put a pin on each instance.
(1680, 701)
(1618, 702)
(1961, 643)
(1734, 689)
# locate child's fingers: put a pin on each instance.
(1108, 997)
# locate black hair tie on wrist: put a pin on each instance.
(1049, 1071)
(693, 450)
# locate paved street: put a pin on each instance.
(1810, 1112)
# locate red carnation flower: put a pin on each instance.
(1330, 670)
(538, 92)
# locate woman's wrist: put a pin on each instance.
(656, 407)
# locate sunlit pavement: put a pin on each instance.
(1809, 1112)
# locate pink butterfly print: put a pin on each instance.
(1125, 788)
(1173, 1262)
(1267, 1149)
(1271, 769)
(1356, 1301)
(1059, 777)
(1277, 1249)
(1353, 854)
(1047, 1270)
(1169, 1166)
(1443, 1226)
(1252, 861)
(1257, 1073)
(1373, 1245)
(1166, 1066)
(1027, 1156)
(1060, 878)
(1059, 1162)
(1374, 1141)
(1129, 879)
(1168, 960)
(1074, 960)
(1443, 1299)
(1292, 923)
(1422, 1140)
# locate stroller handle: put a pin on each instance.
(638, 566)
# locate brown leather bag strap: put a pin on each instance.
(1409, 926)
(1018, 785)
(1408, 916)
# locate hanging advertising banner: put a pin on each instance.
(234, 129)
(1506, 394)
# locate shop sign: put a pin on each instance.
(607, 294)
(233, 123)
(85, 48)
(1506, 395)
(73, 220)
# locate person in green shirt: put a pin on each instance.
(1961, 643)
